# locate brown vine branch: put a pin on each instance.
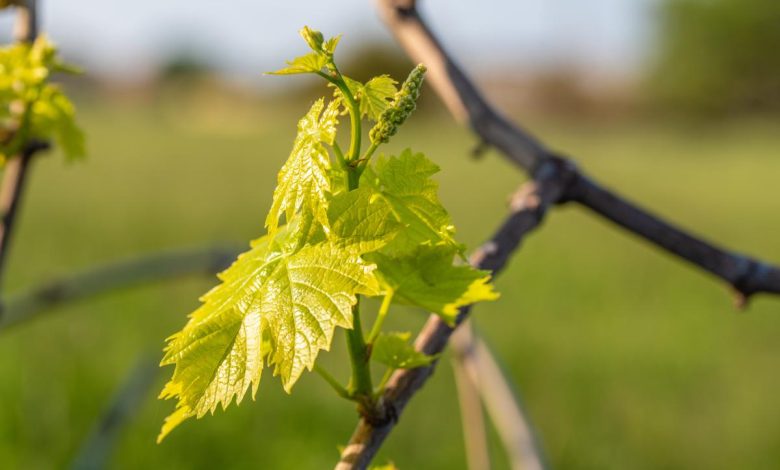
(26, 25)
(11, 191)
(148, 269)
(528, 208)
(746, 276)
(556, 180)
(16, 169)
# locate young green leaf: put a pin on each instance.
(54, 115)
(329, 46)
(315, 61)
(361, 221)
(395, 351)
(307, 63)
(405, 183)
(313, 38)
(374, 96)
(303, 182)
(427, 278)
(291, 302)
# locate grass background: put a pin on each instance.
(624, 356)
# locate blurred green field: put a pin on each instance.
(624, 357)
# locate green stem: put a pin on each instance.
(363, 162)
(360, 386)
(353, 177)
(353, 154)
(354, 120)
(339, 155)
(380, 318)
(341, 391)
(383, 383)
(354, 113)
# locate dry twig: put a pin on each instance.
(556, 180)
(745, 275)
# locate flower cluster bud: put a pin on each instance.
(404, 102)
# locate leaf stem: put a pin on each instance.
(360, 386)
(340, 390)
(371, 149)
(353, 154)
(363, 162)
(339, 155)
(380, 318)
(383, 382)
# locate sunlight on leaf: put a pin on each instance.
(405, 183)
(303, 182)
(292, 300)
(427, 278)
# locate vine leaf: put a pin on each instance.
(374, 96)
(361, 221)
(54, 115)
(315, 61)
(426, 277)
(405, 183)
(329, 46)
(304, 182)
(274, 306)
(312, 62)
(394, 350)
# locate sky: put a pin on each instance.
(126, 38)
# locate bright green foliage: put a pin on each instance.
(374, 96)
(294, 298)
(362, 221)
(303, 180)
(426, 277)
(313, 62)
(30, 106)
(394, 350)
(313, 38)
(308, 63)
(318, 44)
(405, 183)
(351, 228)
